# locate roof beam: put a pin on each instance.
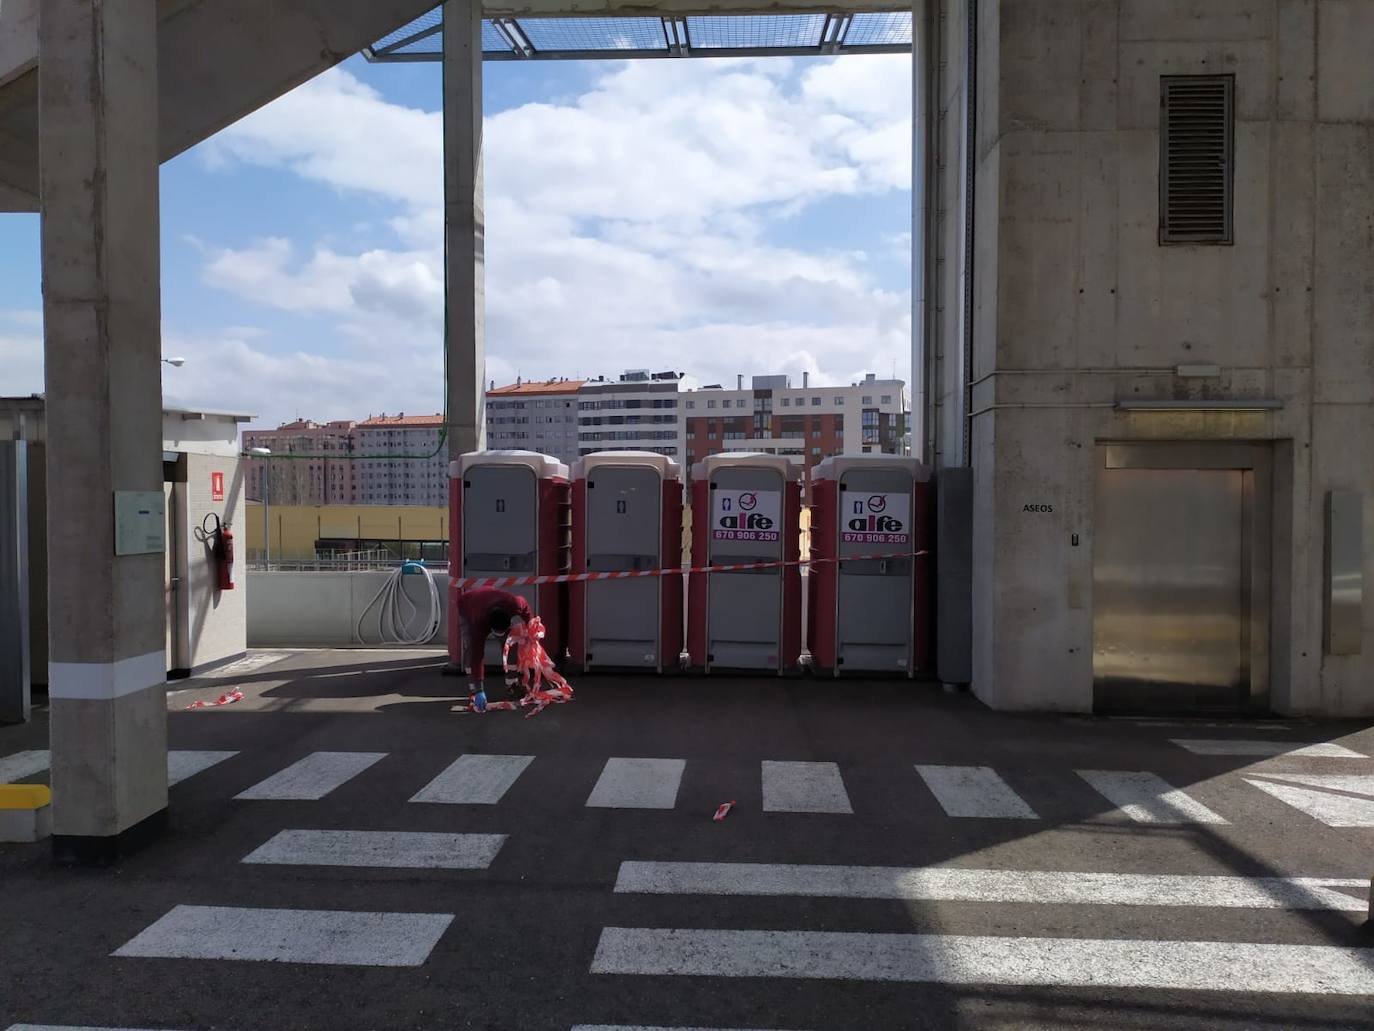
(682, 8)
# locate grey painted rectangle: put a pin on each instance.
(291, 936)
(475, 780)
(991, 960)
(1344, 572)
(953, 884)
(1231, 746)
(182, 765)
(975, 792)
(414, 850)
(1335, 800)
(1147, 798)
(803, 787)
(22, 765)
(638, 784)
(313, 777)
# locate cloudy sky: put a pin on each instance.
(712, 216)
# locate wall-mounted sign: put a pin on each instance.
(217, 486)
(876, 518)
(1037, 508)
(746, 515)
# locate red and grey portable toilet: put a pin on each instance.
(869, 582)
(746, 508)
(508, 517)
(627, 518)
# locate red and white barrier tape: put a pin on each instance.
(466, 582)
(228, 698)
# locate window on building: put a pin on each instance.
(868, 400)
(691, 404)
(815, 402)
(739, 403)
(786, 402)
(815, 452)
(886, 399)
(1196, 159)
(839, 400)
(711, 404)
(711, 435)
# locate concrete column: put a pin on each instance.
(98, 143)
(464, 228)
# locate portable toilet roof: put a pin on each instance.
(544, 466)
(837, 465)
(790, 470)
(666, 467)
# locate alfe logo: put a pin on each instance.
(877, 518)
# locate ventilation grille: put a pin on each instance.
(1195, 173)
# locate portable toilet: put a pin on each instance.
(870, 579)
(746, 508)
(509, 517)
(627, 517)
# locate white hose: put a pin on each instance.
(392, 617)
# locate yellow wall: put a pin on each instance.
(295, 528)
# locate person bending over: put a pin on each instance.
(485, 611)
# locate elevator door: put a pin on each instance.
(1171, 594)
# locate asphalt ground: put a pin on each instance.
(524, 938)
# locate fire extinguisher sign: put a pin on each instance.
(217, 486)
(876, 519)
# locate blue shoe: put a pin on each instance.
(479, 701)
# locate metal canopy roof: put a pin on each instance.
(630, 37)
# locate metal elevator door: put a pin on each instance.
(1171, 589)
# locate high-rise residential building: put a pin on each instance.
(311, 463)
(808, 424)
(534, 416)
(640, 412)
(401, 460)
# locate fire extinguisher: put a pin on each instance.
(221, 542)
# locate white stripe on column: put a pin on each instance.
(974, 959)
(1319, 750)
(803, 787)
(413, 850)
(952, 884)
(182, 765)
(313, 777)
(291, 936)
(106, 681)
(474, 780)
(974, 791)
(638, 784)
(1146, 798)
(1321, 801)
(22, 765)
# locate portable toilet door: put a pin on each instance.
(746, 509)
(625, 521)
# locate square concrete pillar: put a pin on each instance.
(98, 139)
(464, 229)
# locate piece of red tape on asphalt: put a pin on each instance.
(723, 810)
(228, 698)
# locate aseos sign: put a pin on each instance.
(746, 515)
(876, 519)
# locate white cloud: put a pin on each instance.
(626, 226)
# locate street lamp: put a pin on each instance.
(265, 452)
(175, 363)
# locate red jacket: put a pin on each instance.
(476, 608)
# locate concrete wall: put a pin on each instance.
(214, 622)
(1078, 307)
(304, 609)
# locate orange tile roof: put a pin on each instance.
(403, 420)
(552, 386)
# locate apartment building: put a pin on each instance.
(640, 411)
(535, 416)
(807, 424)
(401, 460)
(311, 463)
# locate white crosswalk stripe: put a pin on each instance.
(804, 787)
(64, 1027)
(974, 791)
(1336, 800)
(415, 850)
(953, 884)
(475, 780)
(184, 765)
(1319, 750)
(1148, 798)
(313, 777)
(22, 765)
(291, 936)
(638, 784)
(988, 959)
(646, 1027)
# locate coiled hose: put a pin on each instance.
(393, 617)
